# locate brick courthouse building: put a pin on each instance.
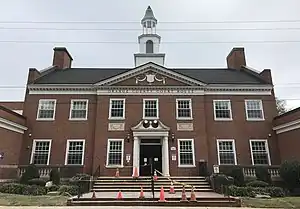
(100, 119)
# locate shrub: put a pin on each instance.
(252, 191)
(240, 191)
(55, 176)
(82, 181)
(262, 174)
(38, 182)
(217, 180)
(73, 190)
(257, 183)
(14, 188)
(290, 173)
(237, 174)
(53, 188)
(31, 172)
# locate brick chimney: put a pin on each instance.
(236, 58)
(267, 76)
(62, 58)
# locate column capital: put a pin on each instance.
(135, 138)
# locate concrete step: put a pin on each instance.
(157, 189)
(145, 186)
(146, 183)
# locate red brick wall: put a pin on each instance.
(95, 129)
(289, 145)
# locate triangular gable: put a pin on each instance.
(151, 67)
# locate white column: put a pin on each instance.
(165, 160)
(136, 155)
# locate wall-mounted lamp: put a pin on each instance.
(173, 137)
(128, 138)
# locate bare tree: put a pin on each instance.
(281, 106)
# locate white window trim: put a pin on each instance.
(34, 145)
(267, 149)
(191, 109)
(67, 151)
(46, 119)
(86, 109)
(262, 110)
(110, 106)
(107, 151)
(157, 110)
(234, 150)
(230, 109)
(178, 153)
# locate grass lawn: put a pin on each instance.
(285, 202)
(23, 200)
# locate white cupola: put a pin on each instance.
(149, 42)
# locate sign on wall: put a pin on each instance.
(128, 158)
(173, 157)
(1, 155)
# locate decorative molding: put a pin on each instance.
(155, 68)
(287, 126)
(150, 78)
(185, 127)
(116, 126)
(12, 126)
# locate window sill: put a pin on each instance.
(223, 119)
(114, 166)
(186, 166)
(78, 119)
(114, 119)
(255, 119)
(74, 165)
(45, 119)
(150, 118)
(184, 118)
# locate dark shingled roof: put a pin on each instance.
(94, 75)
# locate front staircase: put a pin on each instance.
(107, 188)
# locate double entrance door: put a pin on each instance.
(150, 157)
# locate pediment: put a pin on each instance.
(159, 126)
(150, 74)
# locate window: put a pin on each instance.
(184, 108)
(254, 110)
(117, 109)
(186, 153)
(115, 152)
(149, 46)
(75, 152)
(226, 152)
(260, 152)
(151, 108)
(79, 109)
(46, 109)
(222, 110)
(41, 152)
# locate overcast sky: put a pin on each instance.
(18, 53)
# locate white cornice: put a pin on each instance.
(151, 90)
(9, 125)
(287, 126)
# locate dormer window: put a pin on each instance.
(149, 46)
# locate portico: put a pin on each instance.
(150, 132)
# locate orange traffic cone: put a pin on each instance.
(117, 173)
(142, 196)
(162, 195)
(172, 190)
(119, 196)
(94, 195)
(193, 195)
(155, 176)
(135, 173)
(183, 195)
